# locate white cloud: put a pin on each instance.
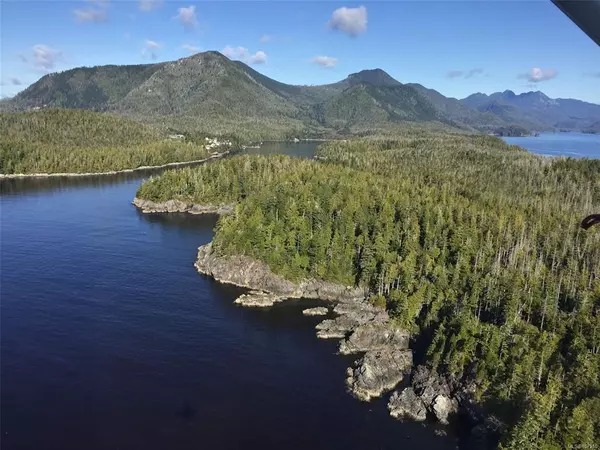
(352, 21)
(149, 5)
(265, 38)
(454, 74)
(471, 73)
(187, 17)
(536, 75)
(15, 81)
(259, 57)
(94, 14)
(325, 61)
(242, 54)
(45, 57)
(190, 48)
(22, 57)
(149, 49)
(464, 73)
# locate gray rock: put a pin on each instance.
(257, 299)
(407, 405)
(444, 406)
(336, 328)
(428, 385)
(374, 336)
(356, 307)
(377, 372)
(248, 272)
(319, 311)
(172, 206)
(331, 334)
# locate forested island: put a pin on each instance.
(78, 141)
(472, 246)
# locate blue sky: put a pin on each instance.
(457, 48)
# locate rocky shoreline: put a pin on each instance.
(385, 358)
(111, 172)
(365, 330)
(171, 206)
(247, 272)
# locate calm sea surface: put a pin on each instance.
(573, 145)
(110, 339)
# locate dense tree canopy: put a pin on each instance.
(51, 141)
(475, 246)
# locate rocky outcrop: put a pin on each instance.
(429, 392)
(257, 299)
(251, 273)
(336, 328)
(407, 404)
(352, 314)
(378, 371)
(428, 385)
(443, 406)
(374, 336)
(171, 206)
(319, 311)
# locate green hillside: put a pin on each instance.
(78, 141)
(208, 92)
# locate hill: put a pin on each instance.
(536, 110)
(209, 92)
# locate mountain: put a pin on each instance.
(209, 92)
(375, 77)
(457, 111)
(534, 109)
(94, 88)
(365, 104)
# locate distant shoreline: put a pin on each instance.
(112, 172)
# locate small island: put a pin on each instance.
(415, 239)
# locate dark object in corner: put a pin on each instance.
(584, 13)
(590, 221)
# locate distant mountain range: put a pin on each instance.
(208, 89)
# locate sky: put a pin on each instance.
(455, 47)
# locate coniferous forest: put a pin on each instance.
(78, 141)
(474, 246)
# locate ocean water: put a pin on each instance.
(110, 339)
(569, 145)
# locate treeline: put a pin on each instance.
(474, 246)
(228, 181)
(73, 128)
(77, 141)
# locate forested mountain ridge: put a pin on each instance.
(207, 91)
(535, 109)
(473, 245)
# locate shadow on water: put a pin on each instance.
(181, 220)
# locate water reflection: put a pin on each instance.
(181, 220)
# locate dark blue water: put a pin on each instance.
(112, 340)
(573, 145)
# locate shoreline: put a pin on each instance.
(179, 206)
(384, 357)
(111, 172)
